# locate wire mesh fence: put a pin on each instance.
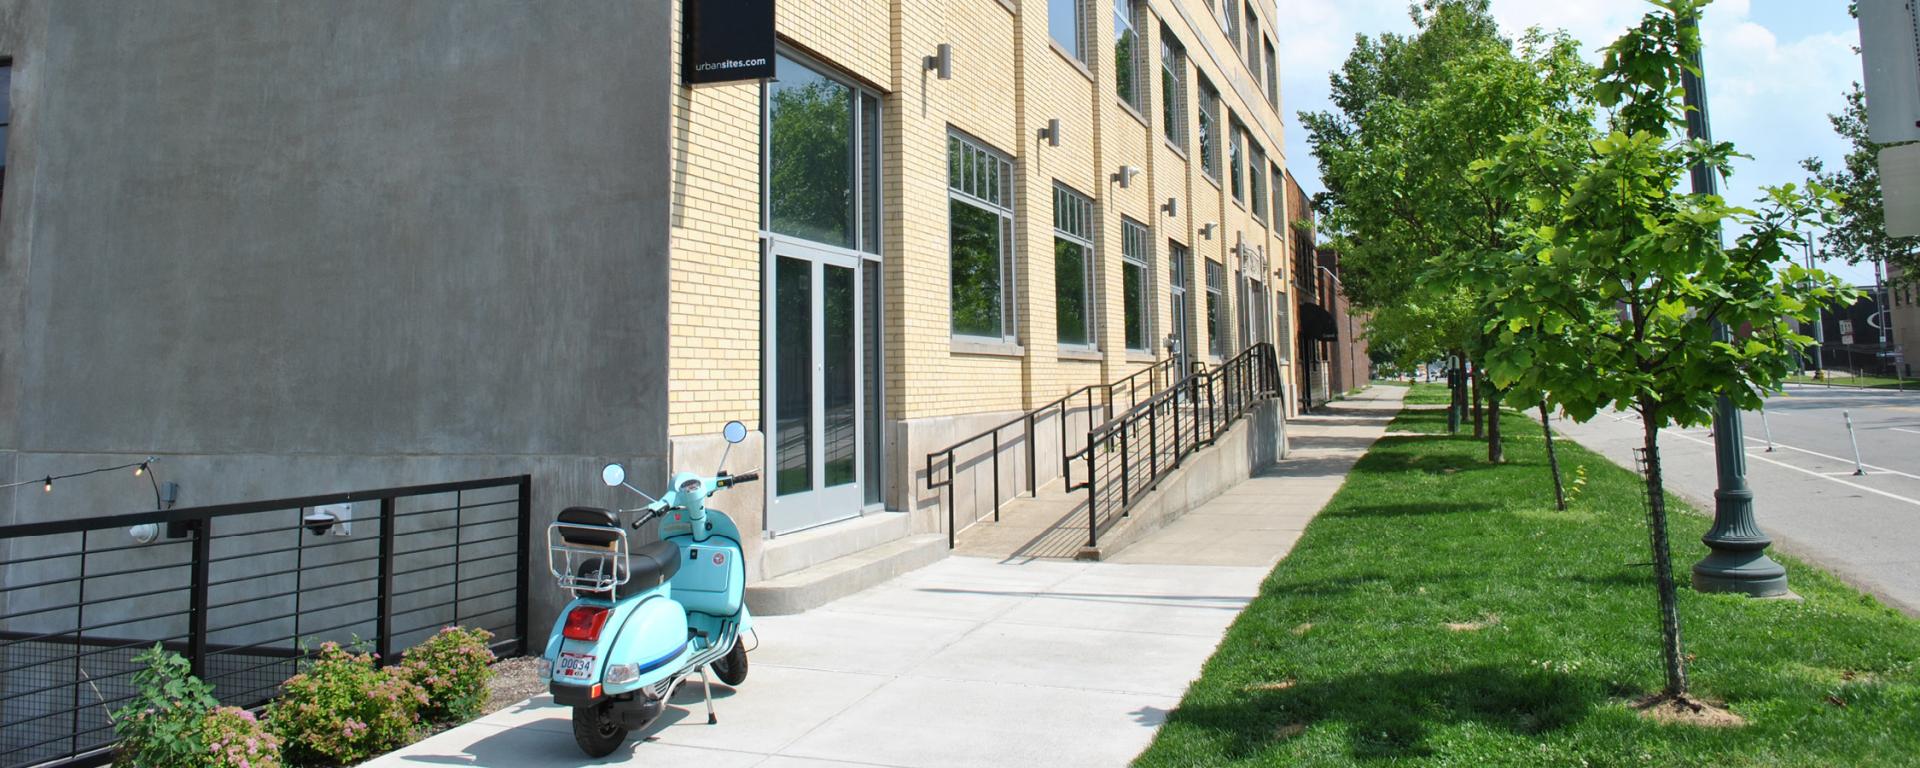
(243, 591)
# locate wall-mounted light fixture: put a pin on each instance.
(1171, 207)
(1207, 231)
(1052, 132)
(941, 62)
(1125, 176)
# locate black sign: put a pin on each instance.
(726, 41)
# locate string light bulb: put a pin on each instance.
(47, 486)
(140, 470)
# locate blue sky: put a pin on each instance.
(1775, 70)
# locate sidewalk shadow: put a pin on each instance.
(1408, 509)
(1389, 716)
(526, 746)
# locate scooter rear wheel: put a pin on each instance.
(732, 668)
(596, 731)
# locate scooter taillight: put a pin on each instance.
(585, 623)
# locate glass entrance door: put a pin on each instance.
(817, 445)
(1178, 340)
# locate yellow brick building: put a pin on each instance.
(871, 259)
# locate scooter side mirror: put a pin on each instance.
(613, 475)
(735, 432)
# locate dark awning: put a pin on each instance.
(1316, 324)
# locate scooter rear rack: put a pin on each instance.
(564, 558)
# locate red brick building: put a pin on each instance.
(1330, 347)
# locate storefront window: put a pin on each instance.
(1137, 278)
(980, 230)
(1073, 266)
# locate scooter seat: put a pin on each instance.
(653, 564)
(605, 521)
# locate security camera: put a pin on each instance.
(318, 522)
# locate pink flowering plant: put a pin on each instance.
(454, 667)
(343, 710)
(236, 739)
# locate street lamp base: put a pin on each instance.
(1749, 573)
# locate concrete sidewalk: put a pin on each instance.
(974, 662)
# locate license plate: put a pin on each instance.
(577, 665)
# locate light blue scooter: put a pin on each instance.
(644, 619)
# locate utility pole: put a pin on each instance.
(1738, 561)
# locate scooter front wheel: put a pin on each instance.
(732, 668)
(596, 730)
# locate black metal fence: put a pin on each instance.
(243, 591)
(1096, 402)
(1128, 456)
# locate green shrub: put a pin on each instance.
(454, 668)
(343, 710)
(161, 726)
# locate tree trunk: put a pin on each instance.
(1496, 448)
(1553, 460)
(1479, 418)
(1456, 399)
(1662, 555)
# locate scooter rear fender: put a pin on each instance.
(648, 629)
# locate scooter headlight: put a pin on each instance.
(621, 674)
(543, 669)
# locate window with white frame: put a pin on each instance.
(1253, 43)
(1173, 89)
(1236, 159)
(1216, 304)
(1208, 135)
(1136, 253)
(1073, 284)
(1257, 178)
(1065, 23)
(1283, 319)
(1129, 54)
(980, 239)
(821, 171)
(1273, 74)
(1279, 202)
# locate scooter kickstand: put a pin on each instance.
(707, 686)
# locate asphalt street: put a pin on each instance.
(1807, 495)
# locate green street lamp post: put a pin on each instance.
(1738, 559)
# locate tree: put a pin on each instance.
(1412, 116)
(1859, 232)
(1614, 290)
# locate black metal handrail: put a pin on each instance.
(1175, 423)
(243, 605)
(1131, 385)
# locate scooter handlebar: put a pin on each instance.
(744, 477)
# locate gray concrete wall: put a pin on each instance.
(310, 247)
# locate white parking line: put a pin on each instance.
(1908, 431)
(1857, 486)
(1837, 458)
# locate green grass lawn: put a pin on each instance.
(1424, 393)
(1866, 382)
(1346, 657)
